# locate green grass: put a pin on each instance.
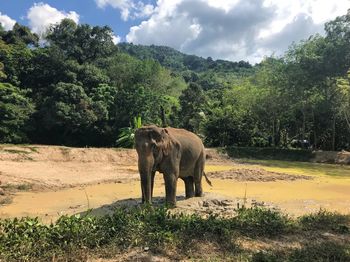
(15, 151)
(325, 220)
(317, 251)
(32, 149)
(303, 168)
(174, 235)
(18, 187)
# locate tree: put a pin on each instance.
(68, 114)
(16, 59)
(15, 110)
(103, 132)
(192, 107)
(20, 35)
(336, 52)
(136, 101)
(86, 43)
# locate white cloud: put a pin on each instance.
(41, 16)
(6, 22)
(234, 29)
(143, 10)
(116, 39)
(129, 9)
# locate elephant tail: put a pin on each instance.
(206, 179)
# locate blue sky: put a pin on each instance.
(223, 29)
(88, 12)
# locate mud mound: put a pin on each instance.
(216, 204)
(257, 174)
(215, 156)
(332, 157)
(210, 203)
(67, 154)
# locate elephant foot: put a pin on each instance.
(198, 189)
(199, 194)
(189, 195)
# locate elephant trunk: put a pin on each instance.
(145, 169)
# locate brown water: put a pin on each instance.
(293, 197)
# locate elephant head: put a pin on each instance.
(152, 144)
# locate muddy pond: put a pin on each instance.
(50, 181)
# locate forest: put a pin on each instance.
(75, 87)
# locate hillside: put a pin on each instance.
(175, 60)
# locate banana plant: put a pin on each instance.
(127, 134)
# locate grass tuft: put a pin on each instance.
(325, 220)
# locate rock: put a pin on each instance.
(328, 234)
(205, 203)
(2, 192)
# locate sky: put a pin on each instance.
(222, 29)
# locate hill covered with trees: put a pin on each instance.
(77, 88)
(177, 61)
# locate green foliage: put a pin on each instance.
(192, 104)
(68, 112)
(2, 74)
(261, 221)
(20, 35)
(325, 220)
(178, 61)
(15, 110)
(85, 89)
(16, 59)
(127, 134)
(323, 251)
(86, 43)
(157, 229)
(270, 153)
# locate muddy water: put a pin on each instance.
(293, 197)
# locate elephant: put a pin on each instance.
(176, 153)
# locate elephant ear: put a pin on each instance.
(168, 143)
(154, 134)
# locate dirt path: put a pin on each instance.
(71, 180)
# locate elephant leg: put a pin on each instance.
(146, 187)
(197, 177)
(143, 193)
(198, 188)
(152, 182)
(170, 189)
(189, 186)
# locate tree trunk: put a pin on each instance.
(315, 134)
(347, 119)
(162, 114)
(273, 132)
(303, 125)
(333, 134)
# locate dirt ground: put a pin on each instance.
(49, 181)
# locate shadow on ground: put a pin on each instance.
(127, 203)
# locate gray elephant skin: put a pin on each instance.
(176, 153)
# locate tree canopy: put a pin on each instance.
(78, 88)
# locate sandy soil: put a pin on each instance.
(49, 181)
